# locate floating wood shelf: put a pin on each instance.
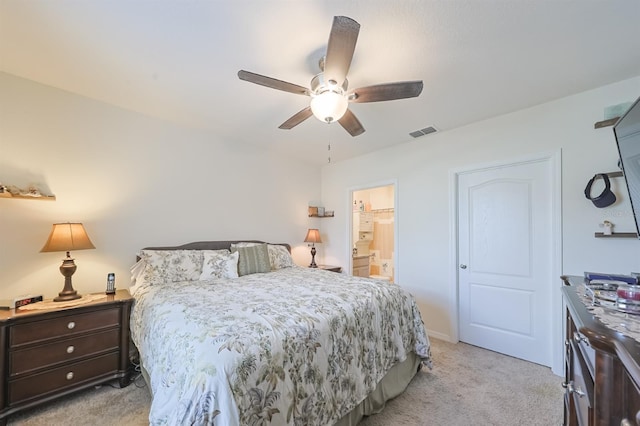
(316, 215)
(606, 123)
(614, 174)
(27, 197)
(617, 235)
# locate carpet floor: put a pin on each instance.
(467, 386)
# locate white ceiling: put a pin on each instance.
(178, 60)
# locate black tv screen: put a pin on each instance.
(627, 132)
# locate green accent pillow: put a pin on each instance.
(253, 259)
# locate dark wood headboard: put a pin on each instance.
(210, 245)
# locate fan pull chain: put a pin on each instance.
(329, 151)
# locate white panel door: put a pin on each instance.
(505, 255)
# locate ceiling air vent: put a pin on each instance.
(423, 132)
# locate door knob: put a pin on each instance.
(463, 266)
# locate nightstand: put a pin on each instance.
(50, 353)
(330, 268)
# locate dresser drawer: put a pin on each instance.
(366, 222)
(581, 386)
(361, 261)
(61, 377)
(587, 352)
(60, 327)
(33, 358)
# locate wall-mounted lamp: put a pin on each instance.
(67, 237)
(313, 236)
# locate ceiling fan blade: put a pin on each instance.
(386, 92)
(272, 83)
(342, 44)
(297, 118)
(351, 124)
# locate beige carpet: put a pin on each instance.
(467, 386)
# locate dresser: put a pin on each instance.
(602, 367)
(361, 266)
(50, 353)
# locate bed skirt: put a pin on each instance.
(391, 385)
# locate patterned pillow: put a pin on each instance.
(171, 265)
(279, 257)
(219, 264)
(253, 259)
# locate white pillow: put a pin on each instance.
(171, 265)
(219, 264)
(137, 272)
(279, 257)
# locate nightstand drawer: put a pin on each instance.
(63, 326)
(33, 358)
(61, 377)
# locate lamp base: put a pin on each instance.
(313, 258)
(65, 297)
(67, 269)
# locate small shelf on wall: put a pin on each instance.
(319, 212)
(617, 235)
(606, 123)
(9, 195)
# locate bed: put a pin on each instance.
(234, 333)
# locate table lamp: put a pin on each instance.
(313, 236)
(67, 237)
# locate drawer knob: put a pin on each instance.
(70, 349)
(579, 339)
(71, 325)
(70, 375)
(572, 389)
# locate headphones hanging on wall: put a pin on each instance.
(606, 198)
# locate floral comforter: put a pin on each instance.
(295, 346)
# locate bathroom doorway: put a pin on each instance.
(373, 232)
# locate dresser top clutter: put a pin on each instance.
(602, 364)
(602, 336)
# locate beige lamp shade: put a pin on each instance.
(313, 236)
(67, 237)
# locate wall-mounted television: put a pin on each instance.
(627, 132)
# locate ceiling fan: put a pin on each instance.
(329, 90)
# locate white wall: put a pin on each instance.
(134, 181)
(423, 166)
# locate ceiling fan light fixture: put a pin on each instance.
(330, 96)
(329, 106)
